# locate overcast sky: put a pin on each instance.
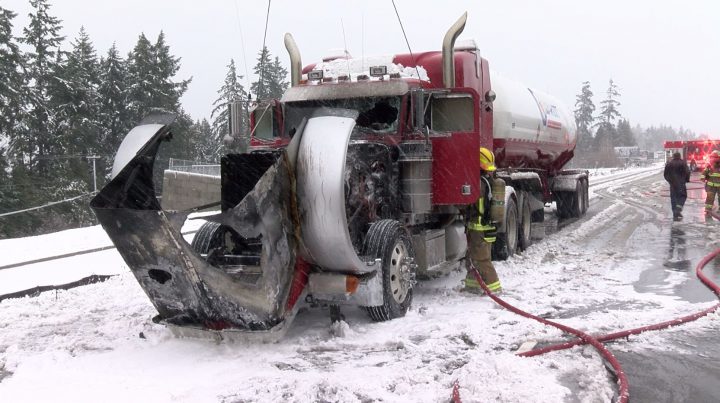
(664, 55)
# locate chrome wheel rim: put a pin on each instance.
(511, 230)
(399, 270)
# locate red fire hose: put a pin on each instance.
(584, 338)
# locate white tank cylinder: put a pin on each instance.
(530, 128)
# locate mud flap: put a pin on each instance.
(184, 288)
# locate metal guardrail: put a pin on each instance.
(194, 167)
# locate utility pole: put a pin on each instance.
(93, 158)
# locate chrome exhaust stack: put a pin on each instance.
(448, 53)
(295, 61)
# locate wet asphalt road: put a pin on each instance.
(672, 248)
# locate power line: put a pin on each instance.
(406, 39)
(262, 52)
(45, 205)
(242, 44)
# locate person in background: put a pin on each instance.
(711, 177)
(677, 174)
(481, 231)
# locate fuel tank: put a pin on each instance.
(531, 129)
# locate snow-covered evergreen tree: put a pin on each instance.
(76, 107)
(230, 91)
(8, 194)
(112, 113)
(279, 82)
(264, 84)
(584, 110)
(36, 145)
(79, 101)
(152, 89)
(141, 77)
(167, 93)
(73, 102)
(166, 98)
(609, 106)
(605, 121)
(12, 80)
(624, 134)
(206, 149)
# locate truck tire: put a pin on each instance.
(506, 242)
(388, 241)
(524, 238)
(586, 196)
(208, 237)
(577, 200)
(214, 241)
(561, 204)
(570, 204)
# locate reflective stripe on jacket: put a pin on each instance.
(479, 220)
(711, 176)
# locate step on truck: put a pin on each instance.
(353, 188)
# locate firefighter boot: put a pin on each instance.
(676, 214)
(472, 286)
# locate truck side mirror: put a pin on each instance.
(490, 96)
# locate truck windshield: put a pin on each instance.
(376, 115)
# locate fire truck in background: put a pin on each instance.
(695, 152)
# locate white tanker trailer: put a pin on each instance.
(354, 186)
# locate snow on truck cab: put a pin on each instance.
(354, 187)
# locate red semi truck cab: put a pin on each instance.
(356, 184)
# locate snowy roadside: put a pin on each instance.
(84, 344)
(63, 270)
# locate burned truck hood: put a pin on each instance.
(291, 199)
(184, 288)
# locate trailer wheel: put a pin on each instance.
(388, 241)
(506, 242)
(561, 202)
(570, 204)
(525, 223)
(586, 196)
(577, 200)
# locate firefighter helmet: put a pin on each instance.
(487, 160)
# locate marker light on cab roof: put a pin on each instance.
(378, 71)
(315, 75)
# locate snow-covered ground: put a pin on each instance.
(97, 343)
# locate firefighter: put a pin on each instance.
(677, 174)
(711, 176)
(481, 230)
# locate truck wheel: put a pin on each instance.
(214, 241)
(388, 240)
(577, 199)
(208, 237)
(525, 223)
(506, 242)
(586, 196)
(561, 204)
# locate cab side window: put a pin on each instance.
(451, 114)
